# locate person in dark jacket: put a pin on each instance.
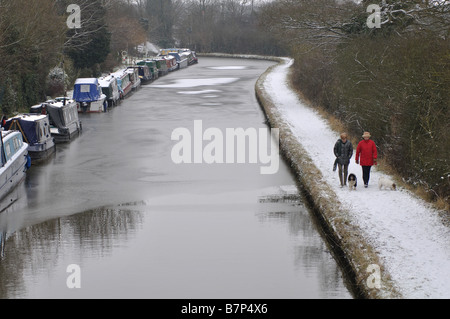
(343, 150)
(366, 156)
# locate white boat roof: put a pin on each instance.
(86, 81)
(105, 81)
(61, 104)
(9, 133)
(119, 72)
(30, 117)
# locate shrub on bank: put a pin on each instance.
(396, 88)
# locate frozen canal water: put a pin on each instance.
(114, 203)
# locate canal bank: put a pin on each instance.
(391, 244)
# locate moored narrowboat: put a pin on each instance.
(171, 62)
(152, 66)
(111, 89)
(190, 55)
(14, 161)
(65, 124)
(162, 65)
(89, 97)
(163, 52)
(35, 129)
(123, 82)
(133, 73)
(144, 73)
(182, 60)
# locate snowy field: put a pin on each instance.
(405, 231)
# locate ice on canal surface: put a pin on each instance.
(231, 67)
(191, 83)
(199, 92)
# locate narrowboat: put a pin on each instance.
(64, 121)
(144, 73)
(154, 66)
(182, 60)
(89, 97)
(191, 56)
(162, 65)
(15, 161)
(195, 57)
(35, 129)
(133, 73)
(163, 52)
(171, 62)
(111, 89)
(123, 82)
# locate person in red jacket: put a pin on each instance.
(366, 156)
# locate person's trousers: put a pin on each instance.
(366, 174)
(343, 173)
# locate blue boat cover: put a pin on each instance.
(87, 90)
(27, 128)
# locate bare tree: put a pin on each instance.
(92, 21)
(431, 15)
(24, 26)
(320, 23)
(31, 39)
(125, 24)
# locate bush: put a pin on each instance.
(396, 88)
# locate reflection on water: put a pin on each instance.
(38, 251)
(158, 250)
(310, 253)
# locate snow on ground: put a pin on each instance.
(404, 230)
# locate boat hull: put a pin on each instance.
(92, 107)
(183, 64)
(14, 171)
(59, 137)
(41, 152)
(9, 184)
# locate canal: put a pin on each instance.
(115, 204)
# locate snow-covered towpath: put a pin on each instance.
(406, 233)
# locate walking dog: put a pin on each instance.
(352, 182)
